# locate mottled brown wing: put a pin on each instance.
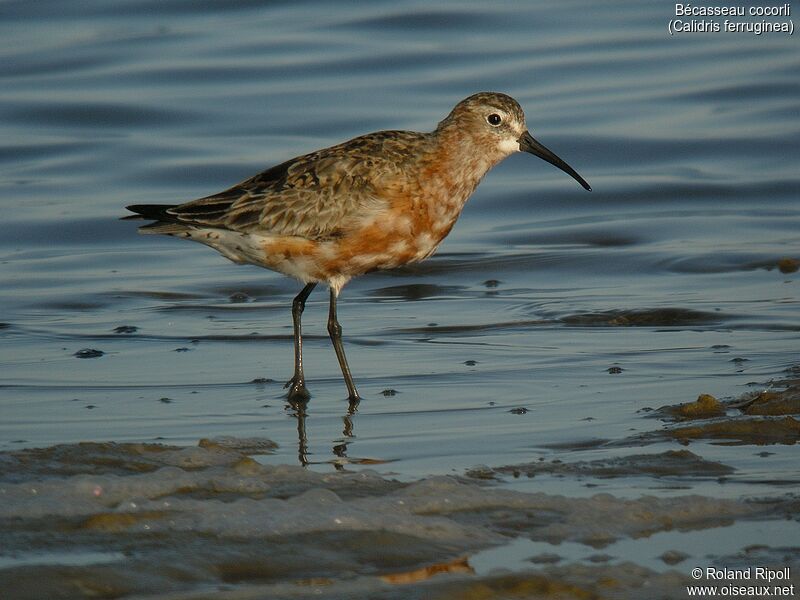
(314, 196)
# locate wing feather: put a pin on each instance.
(316, 195)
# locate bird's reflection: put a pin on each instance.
(298, 411)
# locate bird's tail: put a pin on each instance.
(165, 223)
(233, 245)
(155, 212)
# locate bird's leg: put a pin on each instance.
(335, 331)
(297, 384)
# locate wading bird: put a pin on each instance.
(378, 201)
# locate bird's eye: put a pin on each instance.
(494, 119)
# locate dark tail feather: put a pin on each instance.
(165, 222)
(156, 212)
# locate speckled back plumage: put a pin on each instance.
(315, 196)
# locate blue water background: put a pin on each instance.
(690, 142)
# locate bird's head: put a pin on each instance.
(496, 123)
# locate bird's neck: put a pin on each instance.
(457, 165)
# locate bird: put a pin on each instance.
(375, 202)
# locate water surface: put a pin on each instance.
(547, 325)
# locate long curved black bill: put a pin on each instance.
(528, 144)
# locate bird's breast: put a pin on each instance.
(414, 215)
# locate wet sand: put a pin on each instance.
(213, 521)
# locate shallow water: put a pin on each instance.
(549, 320)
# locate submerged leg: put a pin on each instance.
(335, 331)
(297, 384)
(302, 439)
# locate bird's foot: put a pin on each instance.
(352, 404)
(297, 390)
